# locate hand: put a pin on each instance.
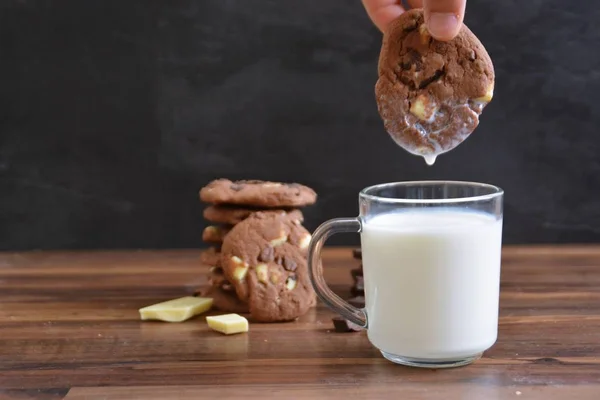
(442, 17)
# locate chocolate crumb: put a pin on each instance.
(356, 273)
(358, 301)
(342, 325)
(359, 287)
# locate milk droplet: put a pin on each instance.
(430, 159)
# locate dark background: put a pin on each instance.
(114, 113)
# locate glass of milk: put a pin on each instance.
(431, 260)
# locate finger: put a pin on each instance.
(444, 17)
(382, 12)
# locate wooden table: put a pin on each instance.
(70, 327)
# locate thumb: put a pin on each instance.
(444, 17)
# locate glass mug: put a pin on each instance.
(431, 262)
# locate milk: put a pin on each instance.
(432, 282)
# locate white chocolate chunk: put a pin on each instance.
(290, 283)
(423, 107)
(487, 97)
(239, 273)
(262, 273)
(176, 310)
(280, 240)
(228, 323)
(238, 261)
(425, 36)
(305, 241)
(275, 275)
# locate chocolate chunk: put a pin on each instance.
(358, 301)
(289, 264)
(357, 253)
(360, 283)
(359, 287)
(267, 254)
(412, 58)
(342, 325)
(356, 273)
(291, 282)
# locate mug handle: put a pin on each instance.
(315, 268)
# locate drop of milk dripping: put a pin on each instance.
(430, 159)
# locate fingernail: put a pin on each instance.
(443, 26)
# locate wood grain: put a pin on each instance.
(70, 327)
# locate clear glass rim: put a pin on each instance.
(495, 191)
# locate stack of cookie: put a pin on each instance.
(358, 288)
(358, 300)
(258, 248)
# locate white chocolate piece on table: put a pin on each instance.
(228, 323)
(176, 310)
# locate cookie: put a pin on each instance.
(210, 256)
(215, 234)
(223, 300)
(264, 257)
(429, 93)
(257, 193)
(216, 278)
(231, 215)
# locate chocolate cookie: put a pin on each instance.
(215, 234)
(264, 257)
(231, 215)
(216, 278)
(430, 93)
(257, 193)
(210, 256)
(223, 300)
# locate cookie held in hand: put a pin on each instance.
(430, 94)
